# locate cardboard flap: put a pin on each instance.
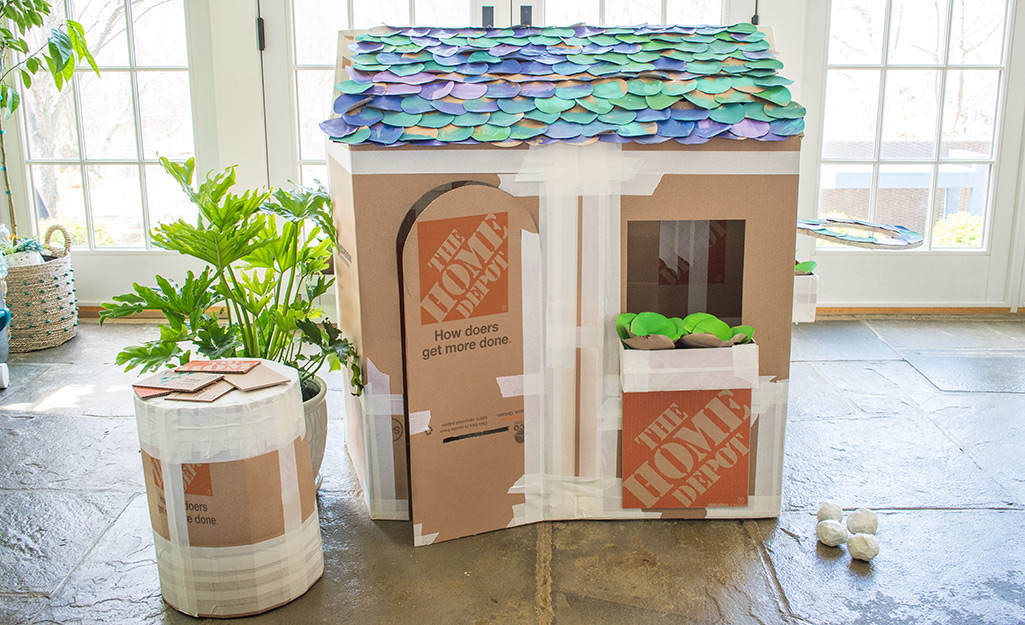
(462, 286)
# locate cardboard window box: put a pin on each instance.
(805, 298)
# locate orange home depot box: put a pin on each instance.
(686, 449)
(687, 426)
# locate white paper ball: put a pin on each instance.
(830, 510)
(862, 521)
(831, 533)
(863, 546)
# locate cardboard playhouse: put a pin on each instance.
(501, 195)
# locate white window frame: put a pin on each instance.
(933, 163)
(83, 162)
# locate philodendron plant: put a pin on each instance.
(265, 254)
(648, 330)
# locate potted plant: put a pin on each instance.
(265, 254)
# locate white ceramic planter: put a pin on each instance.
(315, 410)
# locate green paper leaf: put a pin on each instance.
(648, 323)
(747, 331)
(807, 266)
(691, 321)
(623, 324)
(714, 326)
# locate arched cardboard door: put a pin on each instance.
(463, 318)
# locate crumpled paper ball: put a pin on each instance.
(863, 546)
(830, 510)
(831, 533)
(862, 521)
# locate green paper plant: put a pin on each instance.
(804, 268)
(645, 324)
(63, 50)
(265, 255)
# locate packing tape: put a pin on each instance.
(227, 581)
(419, 538)
(645, 371)
(380, 408)
(635, 166)
(419, 422)
(805, 298)
(519, 385)
(531, 262)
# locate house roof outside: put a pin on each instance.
(580, 84)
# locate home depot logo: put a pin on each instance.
(464, 267)
(686, 449)
(195, 477)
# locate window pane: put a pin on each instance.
(104, 23)
(844, 191)
(369, 13)
(903, 196)
(166, 114)
(442, 13)
(969, 113)
(632, 12)
(116, 200)
(311, 174)
(37, 36)
(977, 31)
(850, 114)
(50, 121)
(961, 197)
(316, 27)
(694, 12)
(159, 33)
(108, 119)
(909, 114)
(917, 31)
(59, 199)
(314, 88)
(568, 12)
(856, 31)
(166, 200)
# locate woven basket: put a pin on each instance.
(44, 312)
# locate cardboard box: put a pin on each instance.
(572, 398)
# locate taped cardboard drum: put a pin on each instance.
(231, 499)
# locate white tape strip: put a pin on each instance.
(389, 509)
(519, 385)
(419, 422)
(635, 166)
(531, 262)
(232, 580)
(805, 298)
(382, 407)
(689, 369)
(419, 538)
(741, 163)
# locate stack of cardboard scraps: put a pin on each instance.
(208, 380)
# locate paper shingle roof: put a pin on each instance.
(578, 84)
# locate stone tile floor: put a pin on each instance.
(921, 419)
